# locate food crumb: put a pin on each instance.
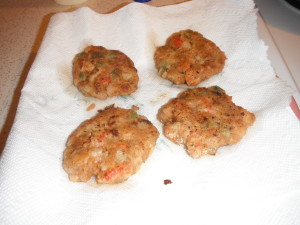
(135, 108)
(167, 181)
(91, 107)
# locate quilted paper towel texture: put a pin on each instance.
(253, 182)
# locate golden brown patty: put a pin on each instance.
(204, 119)
(188, 57)
(102, 73)
(111, 146)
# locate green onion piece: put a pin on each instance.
(82, 54)
(218, 90)
(188, 33)
(82, 76)
(112, 55)
(97, 54)
(133, 115)
(164, 64)
(116, 72)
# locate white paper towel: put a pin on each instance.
(256, 181)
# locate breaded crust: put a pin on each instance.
(188, 57)
(204, 119)
(111, 146)
(102, 73)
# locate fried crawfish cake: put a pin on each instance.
(110, 147)
(101, 73)
(188, 58)
(204, 119)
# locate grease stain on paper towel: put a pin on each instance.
(159, 97)
(153, 40)
(66, 79)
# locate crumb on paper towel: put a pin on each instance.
(135, 108)
(167, 181)
(91, 107)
